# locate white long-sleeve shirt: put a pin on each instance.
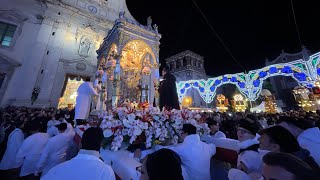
(195, 157)
(310, 140)
(30, 152)
(53, 130)
(208, 138)
(54, 153)
(15, 140)
(52, 123)
(86, 165)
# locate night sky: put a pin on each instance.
(253, 30)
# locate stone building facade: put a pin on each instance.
(185, 66)
(43, 42)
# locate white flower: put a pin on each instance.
(158, 132)
(132, 139)
(136, 131)
(156, 118)
(142, 125)
(130, 121)
(107, 133)
(139, 114)
(197, 116)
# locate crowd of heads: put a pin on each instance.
(23, 117)
(278, 134)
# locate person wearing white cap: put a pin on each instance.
(249, 159)
(250, 162)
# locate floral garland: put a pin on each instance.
(127, 125)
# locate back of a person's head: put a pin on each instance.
(164, 164)
(62, 127)
(290, 163)
(251, 125)
(189, 128)
(210, 121)
(252, 117)
(59, 114)
(166, 68)
(92, 138)
(35, 124)
(281, 136)
(299, 123)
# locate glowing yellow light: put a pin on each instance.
(238, 97)
(186, 101)
(69, 36)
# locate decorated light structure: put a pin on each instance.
(305, 72)
(305, 98)
(270, 106)
(222, 103)
(238, 103)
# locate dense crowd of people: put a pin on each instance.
(45, 143)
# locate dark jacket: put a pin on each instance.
(168, 93)
(304, 155)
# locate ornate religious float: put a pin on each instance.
(222, 103)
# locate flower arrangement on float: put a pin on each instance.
(131, 125)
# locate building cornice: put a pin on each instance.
(186, 53)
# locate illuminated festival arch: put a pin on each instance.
(306, 73)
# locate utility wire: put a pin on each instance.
(216, 34)
(295, 22)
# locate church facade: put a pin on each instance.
(48, 44)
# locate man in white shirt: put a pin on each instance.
(15, 140)
(53, 130)
(31, 149)
(87, 164)
(195, 155)
(55, 151)
(214, 131)
(53, 121)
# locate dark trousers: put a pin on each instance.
(11, 174)
(30, 177)
(219, 169)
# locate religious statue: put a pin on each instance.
(156, 84)
(149, 22)
(83, 101)
(121, 14)
(155, 27)
(168, 91)
(84, 46)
